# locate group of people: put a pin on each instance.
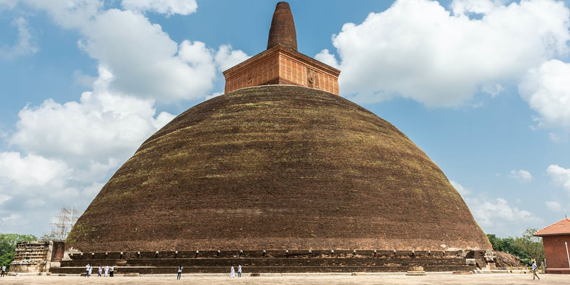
(233, 272)
(109, 272)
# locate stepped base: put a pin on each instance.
(271, 262)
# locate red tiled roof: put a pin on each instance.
(559, 228)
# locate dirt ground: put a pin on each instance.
(309, 279)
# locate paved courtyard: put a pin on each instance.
(312, 279)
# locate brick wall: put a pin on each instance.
(280, 65)
(555, 251)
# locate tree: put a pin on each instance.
(496, 242)
(532, 246)
(8, 246)
(526, 248)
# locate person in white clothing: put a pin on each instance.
(239, 270)
(106, 270)
(3, 270)
(534, 270)
(90, 270)
(232, 272)
(100, 271)
(87, 270)
(179, 272)
(112, 271)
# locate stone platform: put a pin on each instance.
(269, 261)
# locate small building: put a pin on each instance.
(556, 238)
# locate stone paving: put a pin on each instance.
(309, 279)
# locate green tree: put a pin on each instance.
(8, 245)
(496, 242)
(526, 248)
(530, 245)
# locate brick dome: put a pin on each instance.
(277, 167)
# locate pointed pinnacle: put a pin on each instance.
(282, 30)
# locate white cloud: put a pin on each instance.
(32, 170)
(416, 49)
(522, 176)
(326, 57)
(168, 7)
(82, 79)
(24, 44)
(145, 62)
(462, 190)
(29, 184)
(11, 220)
(560, 176)
(547, 91)
(102, 125)
(70, 14)
(558, 137)
(496, 215)
(226, 57)
(93, 190)
(214, 95)
(7, 4)
(554, 206)
(69, 150)
(4, 198)
(466, 7)
(499, 217)
(143, 59)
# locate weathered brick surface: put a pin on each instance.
(555, 253)
(58, 250)
(270, 261)
(282, 31)
(277, 168)
(281, 65)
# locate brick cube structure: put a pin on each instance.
(556, 239)
(281, 63)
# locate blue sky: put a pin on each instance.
(483, 87)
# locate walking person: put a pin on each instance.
(239, 270)
(179, 272)
(87, 270)
(534, 270)
(3, 270)
(100, 271)
(232, 272)
(112, 272)
(106, 270)
(90, 270)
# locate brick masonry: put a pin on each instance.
(281, 65)
(270, 261)
(555, 252)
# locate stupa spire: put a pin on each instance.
(281, 63)
(282, 31)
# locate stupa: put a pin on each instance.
(279, 164)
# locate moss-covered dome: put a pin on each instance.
(277, 167)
